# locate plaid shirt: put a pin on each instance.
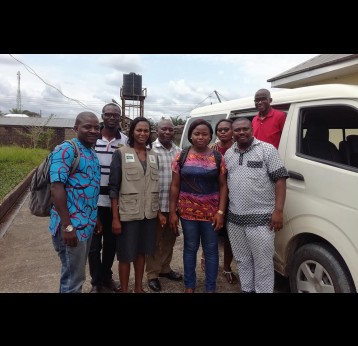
(165, 158)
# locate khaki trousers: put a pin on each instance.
(160, 262)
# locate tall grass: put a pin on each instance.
(15, 164)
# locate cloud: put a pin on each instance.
(124, 63)
(174, 83)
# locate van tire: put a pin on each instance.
(317, 268)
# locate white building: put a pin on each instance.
(16, 115)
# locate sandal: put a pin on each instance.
(189, 290)
(202, 263)
(230, 277)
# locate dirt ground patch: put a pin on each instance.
(29, 264)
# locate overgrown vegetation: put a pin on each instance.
(39, 136)
(15, 164)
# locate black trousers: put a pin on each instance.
(100, 264)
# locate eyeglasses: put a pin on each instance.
(110, 115)
(223, 129)
(262, 99)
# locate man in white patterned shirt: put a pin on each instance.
(257, 191)
(103, 239)
(159, 264)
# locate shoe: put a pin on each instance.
(112, 285)
(172, 275)
(189, 290)
(230, 276)
(154, 285)
(95, 289)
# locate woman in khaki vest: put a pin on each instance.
(134, 193)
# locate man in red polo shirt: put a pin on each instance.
(268, 123)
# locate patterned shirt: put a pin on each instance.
(199, 186)
(165, 159)
(104, 150)
(82, 187)
(251, 181)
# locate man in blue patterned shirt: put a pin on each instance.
(74, 211)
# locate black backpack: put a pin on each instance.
(40, 187)
(184, 153)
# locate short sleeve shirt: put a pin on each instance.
(270, 128)
(82, 187)
(199, 186)
(251, 181)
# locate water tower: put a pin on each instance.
(132, 96)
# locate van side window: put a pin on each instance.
(329, 133)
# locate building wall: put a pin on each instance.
(17, 135)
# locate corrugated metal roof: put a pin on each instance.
(314, 63)
(32, 121)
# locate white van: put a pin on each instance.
(318, 246)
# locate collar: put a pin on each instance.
(157, 144)
(253, 144)
(118, 133)
(268, 115)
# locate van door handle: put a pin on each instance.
(297, 176)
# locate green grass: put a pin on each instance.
(15, 164)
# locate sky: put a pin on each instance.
(67, 84)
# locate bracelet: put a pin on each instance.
(220, 212)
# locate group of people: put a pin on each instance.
(128, 194)
(103, 209)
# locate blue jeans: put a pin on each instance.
(100, 265)
(73, 260)
(193, 232)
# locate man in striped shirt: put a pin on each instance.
(159, 264)
(100, 265)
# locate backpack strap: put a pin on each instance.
(218, 157)
(183, 155)
(76, 159)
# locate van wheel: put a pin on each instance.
(317, 268)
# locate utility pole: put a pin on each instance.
(18, 96)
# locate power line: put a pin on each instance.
(32, 71)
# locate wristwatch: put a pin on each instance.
(69, 229)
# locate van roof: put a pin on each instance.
(310, 93)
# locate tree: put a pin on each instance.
(40, 136)
(32, 114)
(152, 124)
(177, 121)
(15, 111)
